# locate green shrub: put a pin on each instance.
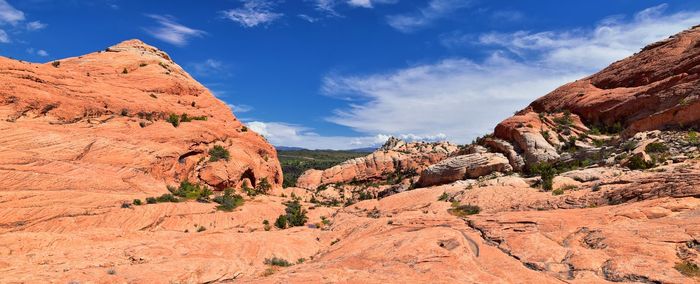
(263, 186)
(558, 191)
(463, 210)
(637, 162)
(688, 268)
(444, 196)
(296, 215)
(218, 152)
(693, 137)
(167, 197)
(656, 147)
(174, 119)
(281, 222)
(189, 190)
(151, 200)
(229, 201)
(55, 64)
(276, 261)
(547, 173)
(137, 202)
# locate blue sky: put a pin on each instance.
(348, 73)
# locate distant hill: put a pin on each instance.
(295, 161)
(358, 150)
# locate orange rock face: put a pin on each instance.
(100, 122)
(395, 155)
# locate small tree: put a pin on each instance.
(218, 153)
(547, 173)
(281, 222)
(296, 215)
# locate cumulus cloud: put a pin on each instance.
(170, 31)
(40, 52)
(253, 13)
(435, 10)
(463, 98)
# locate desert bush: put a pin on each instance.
(656, 147)
(276, 261)
(281, 222)
(295, 215)
(464, 210)
(637, 162)
(167, 197)
(444, 196)
(137, 202)
(174, 119)
(693, 137)
(228, 201)
(189, 190)
(547, 173)
(688, 268)
(55, 64)
(218, 152)
(126, 204)
(151, 200)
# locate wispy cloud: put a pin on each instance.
(240, 108)
(36, 25)
(463, 98)
(369, 3)
(9, 14)
(436, 9)
(4, 38)
(284, 134)
(210, 67)
(327, 7)
(253, 13)
(170, 31)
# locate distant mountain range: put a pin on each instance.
(358, 150)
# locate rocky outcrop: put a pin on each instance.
(464, 167)
(124, 119)
(654, 89)
(395, 157)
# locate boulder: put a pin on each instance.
(463, 167)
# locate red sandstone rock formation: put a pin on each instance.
(99, 122)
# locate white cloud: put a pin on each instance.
(611, 40)
(463, 98)
(36, 25)
(435, 10)
(9, 14)
(172, 32)
(307, 18)
(39, 52)
(210, 67)
(369, 3)
(291, 135)
(327, 7)
(4, 38)
(253, 13)
(240, 108)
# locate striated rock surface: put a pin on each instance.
(655, 89)
(463, 167)
(105, 122)
(394, 157)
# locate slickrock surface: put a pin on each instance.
(395, 156)
(98, 123)
(464, 167)
(655, 89)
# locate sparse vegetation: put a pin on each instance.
(167, 197)
(688, 268)
(463, 210)
(137, 202)
(266, 225)
(444, 196)
(374, 213)
(637, 162)
(126, 205)
(229, 201)
(189, 190)
(244, 129)
(693, 137)
(656, 147)
(174, 119)
(55, 64)
(558, 191)
(151, 200)
(295, 216)
(276, 261)
(547, 173)
(217, 153)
